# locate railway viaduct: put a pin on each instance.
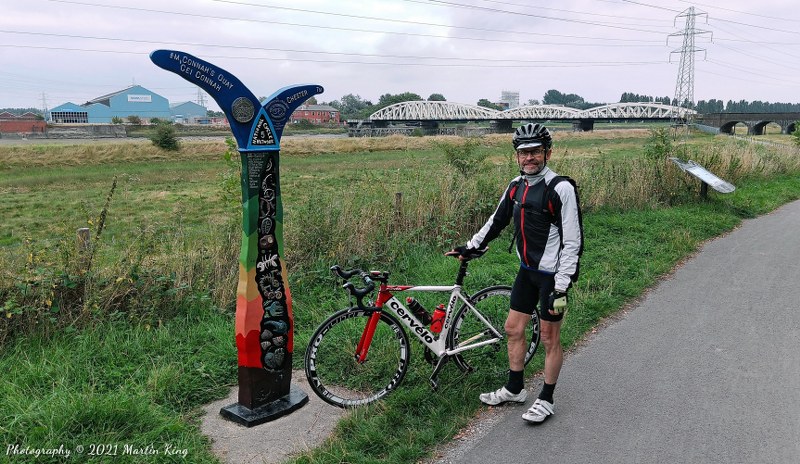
(755, 122)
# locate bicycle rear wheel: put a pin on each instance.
(334, 371)
(493, 303)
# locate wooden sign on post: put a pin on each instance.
(264, 321)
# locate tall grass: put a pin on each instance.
(126, 352)
(366, 204)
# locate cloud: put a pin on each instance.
(596, 49)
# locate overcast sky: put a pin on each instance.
(55, 51)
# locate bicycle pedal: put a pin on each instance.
(434, 379)
(434, 384)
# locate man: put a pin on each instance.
(546, 214)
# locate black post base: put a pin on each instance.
(268, 412)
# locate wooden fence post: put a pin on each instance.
(398, 205)
(83, 245)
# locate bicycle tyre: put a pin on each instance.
(331, 366)
(493, 303)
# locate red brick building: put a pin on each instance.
(316, 114)
(27, 123)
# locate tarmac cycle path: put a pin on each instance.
(704, 369)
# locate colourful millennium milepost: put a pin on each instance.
(264, 322)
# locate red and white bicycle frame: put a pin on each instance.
(437, 344)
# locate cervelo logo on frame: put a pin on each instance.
(410, 320)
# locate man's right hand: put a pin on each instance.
(464, 252)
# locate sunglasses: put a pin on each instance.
(531, 152)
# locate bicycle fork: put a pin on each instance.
(366, 337)
(365, 341)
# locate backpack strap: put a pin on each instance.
(512, 195)
(547, 200)
(553, 183)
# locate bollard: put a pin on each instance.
(264, 320)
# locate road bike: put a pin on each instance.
(361, 354)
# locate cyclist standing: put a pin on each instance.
(546, 214)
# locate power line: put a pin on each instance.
(728, 76)
(404, 21)
(780, 51)
(537, 7)
(719, 19)
(531, 15)
(317, 53)
(533, 64)
(757, 57)
(755, 42)
(370, 31)
(651, 6)
(288, 50)
(742, 12)
(784, 31)
(750, 71)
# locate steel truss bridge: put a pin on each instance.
(431, 113)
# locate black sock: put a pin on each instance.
(515, 382)
(547, 392)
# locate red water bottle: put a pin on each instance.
(438, 319)
(419, 311)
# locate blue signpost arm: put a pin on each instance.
(241, 107)
(264, 320)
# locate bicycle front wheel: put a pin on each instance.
(493, 303)
(341, 377)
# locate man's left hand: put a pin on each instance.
(558, 302)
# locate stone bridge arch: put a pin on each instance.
(727, 127)
(760, 127)
(755, 122)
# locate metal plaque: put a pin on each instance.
(704, 175)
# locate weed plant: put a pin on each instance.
(165, 138)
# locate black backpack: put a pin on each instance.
(547, 201)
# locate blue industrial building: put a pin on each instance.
(189, 113)
(133, 101)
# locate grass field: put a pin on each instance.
(126, 349)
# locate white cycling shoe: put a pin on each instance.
(539, 411)
(502, 395)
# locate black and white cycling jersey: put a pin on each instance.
(548, 224)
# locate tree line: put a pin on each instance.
(352, 106)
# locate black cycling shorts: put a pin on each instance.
(532, 287)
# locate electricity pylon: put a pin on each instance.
(201, 98)
(684, 87)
